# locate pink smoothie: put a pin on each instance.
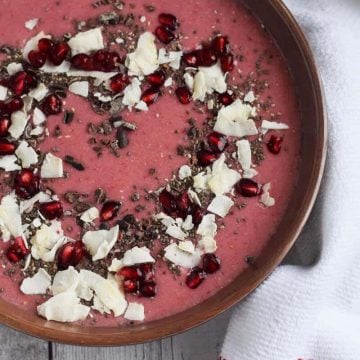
(159, 132)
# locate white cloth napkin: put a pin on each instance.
(313, 312)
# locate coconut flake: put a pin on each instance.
(3, 93)
(220, 205)
(90, 215)
(184, 172)
(65, 280)
(135, 312)
(206, 245)
(273, 125)
(142, 106)
(132, 93)
(194, 197)
(173, 58)
(13, 68)
(168, 82)
(36, 131)
(137, 255)
(31, 24)
(64, 307)
(143, 61)
(116, 265)
(250, 97)
(86, 42)
(249, 173)
(32, 44)
(187, 224)
(9, 163)
(27, 205)
(181, 258)
(38, 117)
(10, 215)
(26, 154)
(265, 198)
(207, 227)
(189, 81)
(52, 167)
(244, 154)
(98, 75)
(187, 246)
(100, 242)
(200, 181)
(80, 88)
(37, 284)
(175, 231)
(19, 121)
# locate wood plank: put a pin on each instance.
(17, 346)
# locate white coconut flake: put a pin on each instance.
(87, 41)
(142, 106)
(9, 163)
(100, 242)
(249, 174)
(184, 172)
(31, 24)
(137, 255)
(10, 215)
(220, 205)
(206, 245)
(250, 97)
(13, 68)
(80, 88)
(90, 215)
(50, 68)
(235, 120)
(207, 227)
(37, 284)
(176, 232)
(273, 125)
(265, 197)
(188, 224)
(98, 75)
(32, 44)
(39, 92)
(27, 205)
(199, 91)
(38, 117)
(187, 246)
(173, 58)
(19, 121)
(116, 265)
(194, 197)
(181, 258)
(200, 181)
(135, 312)
(189, 81)
(144, 60)
(3, 93)
(132, 93)
(244, 154)
(64, 307)
(26, 154)
(65, 280)
(36, 131)
(52, 167)
(168, 82)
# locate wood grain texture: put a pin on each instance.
(17, 346)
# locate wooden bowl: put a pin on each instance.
(291, 41)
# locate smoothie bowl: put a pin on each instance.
(157, 161)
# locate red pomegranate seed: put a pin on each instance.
(217, 142)
(70, 254)
(148, 289)
(197, 214)
(147, 271)
(130, 272)
(11, 105)
(83, 62)
(168, 20)
(21, 82)
(220, 45)
(183, 202)
(109, 210)
(113, 60)
(274, 144)
(51, 210)
(37, 59)
(119, 82)
(7, 147)
(183, 94)
(17, 251)
(211, 263)
(168, 202)
(45, 45)
(58, 53)
(4, 126)
(248, 188)
(206, 57)
(156, 79)
(51, 105)
(151, 95)
(206, 158)
(26, 184)
(225, 99)
(227, 63)
(195, 278)
(164, 35)
(130, 286)
(191, 58)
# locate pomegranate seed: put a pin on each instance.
(58, 53)
(164, 35)
(195, 278)
(147, 271)
(130, 272)
(4, 126)
(21, 82)
(26, 184)
(217, 142)
(183, 94)
(151, 95)
(168, 20)
(51, 105)
(130, 286)
(45, 45)
(156, 79)
(109, 210)
(220, 45)
(83, 62)
(11, 105)
(51, 210)
(206, 57)
(112, 61)
(227, 62)
(17, 251)
(211, 263)
(148, 289)
(7, 147)
(168, 202)
(248, 188)
(206, 158)
(191, 58)
(225, 99)
(183, 202)
(119, 82)
(197, 215)
(274, 144)
(37, 59)
(70, 254)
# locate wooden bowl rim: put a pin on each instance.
(102, 336)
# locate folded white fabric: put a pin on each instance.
(313, 312)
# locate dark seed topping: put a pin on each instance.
(122, 137)
(75, 164)
(68, 117)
